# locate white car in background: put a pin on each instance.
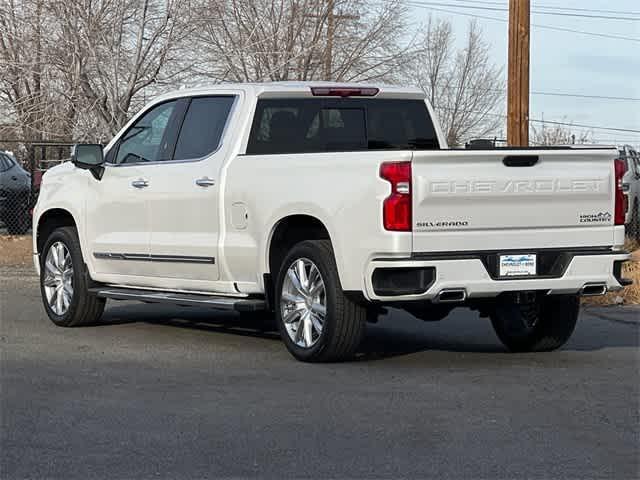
(631, 187)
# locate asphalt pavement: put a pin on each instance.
(169, 393)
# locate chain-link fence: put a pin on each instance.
(22, 164)
(633, 227)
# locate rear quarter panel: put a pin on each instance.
(342, 190)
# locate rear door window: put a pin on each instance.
(203, 126)
(326, 125)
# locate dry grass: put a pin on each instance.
(15, 251)
(631, 294)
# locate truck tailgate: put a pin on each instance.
(492, 199)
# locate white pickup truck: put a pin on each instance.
(322, 204)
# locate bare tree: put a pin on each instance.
(465, 87)
(120, 47)
(75, 67)
(261, 40)
(79, 68)
(25, 79)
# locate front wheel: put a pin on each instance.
(64, 282)
(316, 320)
(540, 326)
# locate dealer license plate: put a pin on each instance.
(517, 265)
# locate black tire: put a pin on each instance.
(542, 326)
(84, 308)
(344, 322)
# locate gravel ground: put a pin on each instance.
(170, 393)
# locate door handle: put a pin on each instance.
(205, 182)
(141, 183)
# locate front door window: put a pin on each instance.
(147, 139)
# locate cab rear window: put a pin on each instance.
(334, 125)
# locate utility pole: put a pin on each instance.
(331, 29)
(518, 82)
(328, 57)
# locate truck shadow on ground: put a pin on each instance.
(396, 334)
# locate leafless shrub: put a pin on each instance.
(552, 134)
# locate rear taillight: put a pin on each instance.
(621, 204)
(396, 209)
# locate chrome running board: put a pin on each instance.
(216, 302)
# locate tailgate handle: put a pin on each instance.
(520, 160)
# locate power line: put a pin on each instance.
(562, 14)
(582, 32)
(550, 122)
(584, 15)
(577, 95)
(619, 12)
(553, 7)
(414, 3)
(559, 94)
(593, 127)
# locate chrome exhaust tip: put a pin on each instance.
(593, 289)
(451, 295)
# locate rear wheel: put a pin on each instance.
(64, 282)
(540, 326)
(316, 320)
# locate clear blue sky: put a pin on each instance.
(568, 62)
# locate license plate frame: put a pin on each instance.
(517, 265)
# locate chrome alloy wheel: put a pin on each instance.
(58, 278)
(303, 303)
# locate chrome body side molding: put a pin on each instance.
(140, 257)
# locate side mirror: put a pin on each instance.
(89, 156)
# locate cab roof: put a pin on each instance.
(292, 89)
